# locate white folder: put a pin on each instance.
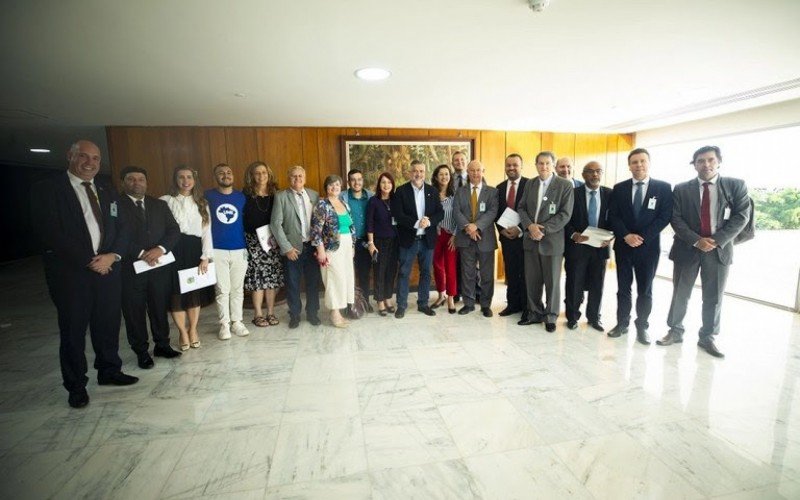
(141, 266)
(191, 279)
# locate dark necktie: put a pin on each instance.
(705, 212)
(637, 199)
(140, 206)
(460, 180)
(593, 208)
(93, 201)
(512, 196)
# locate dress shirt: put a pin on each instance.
(460, 179)
(597, 199)
(86, 208)
(712, 192)
(305, 224)
(644, 182)
(543, 185)
(448, 223)
(419, 200)
(188, 217)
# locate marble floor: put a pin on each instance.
(449, 407)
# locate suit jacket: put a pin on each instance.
(650, 222)
(580, 221)
(160, 228)
(559, 195)
(576, 183)
(404, 211)
(732, 195)
(285, 224)
(59, 220)
(462, 213)
(502, 194)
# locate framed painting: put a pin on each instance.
(373, 155)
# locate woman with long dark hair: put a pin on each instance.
(382, 241)
(444, 253)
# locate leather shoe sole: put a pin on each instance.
(167, 352)
(597, 326)
(466, 309)
(529, 321)
(427, 311)
(617, 331)
(669, 339)
(710, 348)
(118, 378)
(78, 399)
(508, 312)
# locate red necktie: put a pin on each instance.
(512, 196)
(705, 212)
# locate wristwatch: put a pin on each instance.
(117, 257)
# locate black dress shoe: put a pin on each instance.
(642, 337)
(78, 399)
(466, 309)
(118, 378)
(399, 313)
(457, 298)
(597, 326)
(530, 320)
(670, 338)
(550, 327)
(165, 352)
(487, 312)
(572, 325)
(710, 348)
(617, 331)
(508, 312)
(451, 311)
(426, 310)
(294, 322)
(314, 320)
(144, 360)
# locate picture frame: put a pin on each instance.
(373, 155)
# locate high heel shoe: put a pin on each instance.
(184, 347)
(439, 303)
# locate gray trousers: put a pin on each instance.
(713, 275)
(543, 271)
(474, 261)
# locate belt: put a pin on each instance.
(419, 237)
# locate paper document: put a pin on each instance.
(191, 279)
(141, 266)
(509, 218)
(596, 236)
(264, 237)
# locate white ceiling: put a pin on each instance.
(582, 65)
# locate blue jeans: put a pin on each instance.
(306, 266)
(424, 260)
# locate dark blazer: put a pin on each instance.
(502, 194)
(731, 194)
(580, 220)
(404, 211)
(651, 221)
(462, 213)
(559, 193)
(160, 228)
(58, 218)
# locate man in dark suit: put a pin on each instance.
(564, 170)
(638, 210)
(153, 232)
(544, 210)
(708, 213)
(84, 240)
(417, 211)
(586, 265)
(509, 194)
(474, 211)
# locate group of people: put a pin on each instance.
(108, 255)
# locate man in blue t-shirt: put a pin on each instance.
(230, 251)
(356, 198)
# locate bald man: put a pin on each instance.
(564, 170)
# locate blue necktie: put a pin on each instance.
(593, 209)
(637, 199)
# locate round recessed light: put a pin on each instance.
(372, 74)
(240, 94)
(39, 150)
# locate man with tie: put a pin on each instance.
(84, 240)
(564, 170)
(153, 232)
(638, 210)
(586, 265)
(544, 210)
(291, 227)
(509, 193)
(459, 161)
(417, 210)
(474, 210)
(708, 213)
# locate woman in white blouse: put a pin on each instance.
(194, 249)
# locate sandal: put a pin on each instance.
(272, 320)
(260, 321)
(195, 344)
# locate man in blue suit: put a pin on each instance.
(639, 209)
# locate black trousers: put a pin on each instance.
(386, 267)
(363, 267)
(514, 267)
(146, 296)
(85, 299)
(586, 271)
(642, 263)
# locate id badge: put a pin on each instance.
(394, 222)
(651, 204)
(113, 209)
(482, 207)
(726, 214)
(552, 209)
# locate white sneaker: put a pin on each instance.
(239, 329)
(224, 331)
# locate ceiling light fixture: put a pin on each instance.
(538, 5)
(372, 74)
(39, 150)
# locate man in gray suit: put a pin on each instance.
(474, 210)
(544, 210)
(707, 214)
(291, 226)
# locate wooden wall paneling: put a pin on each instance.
(547, 142)
(409, 132)
(588, 147)
(144, 145)
(187, 146)
(280, 148)
(330, 157)
(527, 145)
(625, 143)
(563, 145)
(241, 146)
(118, 150)
(367, 132)
(310, 138)
(219, 154)
(610, 163)
(493, 154)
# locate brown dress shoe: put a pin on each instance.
(710, 348)
(670, 338)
